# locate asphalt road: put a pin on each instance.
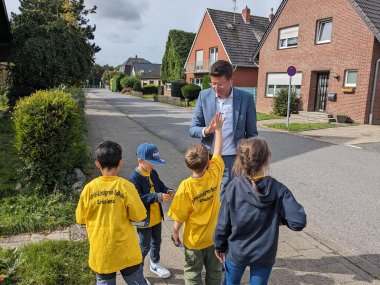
(339, 186)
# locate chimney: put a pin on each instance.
(246, 13)
(271, 15)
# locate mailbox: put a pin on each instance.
(331, 97)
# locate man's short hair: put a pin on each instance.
(108, 154)
(197, 157)
(221, 68)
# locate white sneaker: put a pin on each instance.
(147, 281)
(158, 269)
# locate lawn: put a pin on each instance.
(24, 211)
(263, 116)
(148, 96)
(300, 127)
(47, 262)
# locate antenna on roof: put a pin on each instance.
(234, 9)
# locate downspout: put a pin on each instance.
(373, 92)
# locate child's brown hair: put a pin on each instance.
(253, 154)
(197, 157)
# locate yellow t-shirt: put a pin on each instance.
(196, 204)
(106, 206)
(155, 213)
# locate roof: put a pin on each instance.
(239, 38)
(148, 70)
(5, 32)
(133, 60)
(368, 10)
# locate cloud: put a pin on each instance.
(122, 10)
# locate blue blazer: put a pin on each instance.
(244, 115)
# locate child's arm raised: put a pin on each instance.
(217, 124)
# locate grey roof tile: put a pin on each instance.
(149, 70)
(369, 11)
(240, 40)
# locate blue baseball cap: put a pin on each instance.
(149, 152)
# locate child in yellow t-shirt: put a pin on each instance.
(152, 192)
(196, 205)
(106, 206)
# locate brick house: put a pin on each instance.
(5, 40)
(229, 36)
(334, 45)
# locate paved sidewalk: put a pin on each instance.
(303, 257)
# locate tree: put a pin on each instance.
(95, 75)
(177, 49)
(50, 45)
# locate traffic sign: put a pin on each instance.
(292, 70)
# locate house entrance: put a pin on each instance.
(321, 91)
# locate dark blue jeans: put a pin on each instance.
(132, 275)
(227, 174)
(150, 239)
(234, 272)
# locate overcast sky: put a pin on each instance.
(127, 28)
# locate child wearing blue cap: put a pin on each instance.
(152, 192)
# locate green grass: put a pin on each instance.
(148, 96)
(47, 262)
(263, 116)
(300, 127)
(28, 212)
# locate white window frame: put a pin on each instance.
(199, 59)
(346, 84)
(197, 81)
(321, 24)
(281, 80)
(213, 55)
(286, 34)
(168, 86)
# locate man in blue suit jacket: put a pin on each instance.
(239, 113)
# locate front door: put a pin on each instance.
(321, 92)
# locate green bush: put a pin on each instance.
(280, 102)
(206, 82)
(116, 87)
(137, 86)
(112, 85)
(49, 138)
(79, 96)
(128, 81)
(47, 262)
(150, 89)
(176, 88)
(3, 97)
(191, 91)
(160, 90)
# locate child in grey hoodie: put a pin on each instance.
(253, 208)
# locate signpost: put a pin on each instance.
(291, 72)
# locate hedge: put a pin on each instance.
(176, 88)
(191, 91)
(150, 89)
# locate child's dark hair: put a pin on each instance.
(197, 157)
(221, 68)
(108, 154)
(253, 154)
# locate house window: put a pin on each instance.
(350, 78)
(324, 30)
(213, 55)
(197, 81)
(199, 60)
(168, 86)
(288, 37)
(277, 81)
(151, 82)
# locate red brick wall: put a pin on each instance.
(351, 47)
(207, 38)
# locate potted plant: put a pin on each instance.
(343, 118)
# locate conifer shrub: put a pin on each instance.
(191, 91)
(160, 90)
(280, 102)
(137, 86)
(49, 139)
(206, 82)
(176, 88)
(116, 86)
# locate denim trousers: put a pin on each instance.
(150, 239)
(234, 272)
(132, 276)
